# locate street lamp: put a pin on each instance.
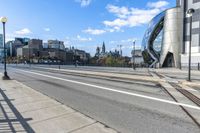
(59, 57)
(29, 55)
(190, 13)
(4, 20)
(133, 55)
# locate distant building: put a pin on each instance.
(56, 44)
(12, 46)
(1, 48)
(24, 41)
(45, 45)
(101, 52)
(35, 44)
(115, 53)
(55, 55)
(81, 55)
(103, 48)
(1, 41)
(31, 50)
(137, 57)
(97, 52)
(27, 52)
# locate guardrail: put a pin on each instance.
(194, 66)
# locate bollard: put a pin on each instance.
(198, 66)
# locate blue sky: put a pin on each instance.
(84, 24)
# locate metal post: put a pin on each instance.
(59, 56)
(198, 66)
(5, 77)
(29, 57)
(190, 12)
(134, 55)
(189, 62)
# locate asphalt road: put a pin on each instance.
(123, 70)
(123, 112)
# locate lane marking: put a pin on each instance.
(114, 90)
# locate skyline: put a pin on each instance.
(84, 24)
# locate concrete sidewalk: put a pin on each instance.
(23, 109)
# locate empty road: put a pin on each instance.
(134, 107)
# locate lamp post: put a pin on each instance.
(190, 13)
(133, 55)
(4, 20)
(29, 55)
(59, 56)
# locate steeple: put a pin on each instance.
(103, 48)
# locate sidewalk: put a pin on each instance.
(23, 109)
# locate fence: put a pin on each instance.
(194, 66)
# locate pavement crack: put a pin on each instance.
(82, 127)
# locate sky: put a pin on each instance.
(84, 24)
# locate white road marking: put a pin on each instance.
(119, 91)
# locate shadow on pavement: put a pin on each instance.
(10, 118)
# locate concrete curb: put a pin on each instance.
(110, 75)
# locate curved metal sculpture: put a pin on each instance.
(151, 50)
(163, 39)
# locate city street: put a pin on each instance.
(132, 106)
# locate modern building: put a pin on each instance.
(56, 44)
(12, 46)
(166, 41)
(24, 41)
(195, 42)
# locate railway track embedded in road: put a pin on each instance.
(187, 94)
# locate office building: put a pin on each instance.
(56, 44)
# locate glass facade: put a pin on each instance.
(152, 41)
(158, 42)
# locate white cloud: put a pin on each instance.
(116, 23)
(120, 12)
(47, 29)
(24, 31)
(83, 39)
(130, 17)
(84, 3)
(94, 31)
(158, 4)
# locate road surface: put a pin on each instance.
(106, 102)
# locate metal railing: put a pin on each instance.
(194, 66)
